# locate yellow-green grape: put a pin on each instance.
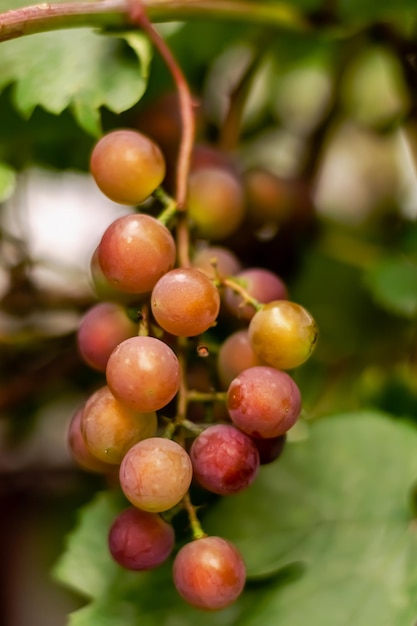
(283, 334)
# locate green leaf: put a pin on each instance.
(7, 181)
(327, 533)
(393, 284)
(78, 69)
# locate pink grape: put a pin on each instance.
(139, 540)
(269, 449)
(235, 355)
(78, 448)
(263, 402)
(283, 334)
(210, 257)
(261, 284)
(155, 474)
(101, 329)
(215, 202)
(209, 573)
(184, 302)
(143, 373)
(110, 428)
(135, 251)
(225, 460)
(127, 166)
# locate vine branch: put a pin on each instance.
(115, 14)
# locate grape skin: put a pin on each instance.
(226, 262)
(225, 460)
(209, 573)
(110, 428)
(235, 355)
(101, 329)
(263, 402)
(127, 166)
(270, 449)
(261, 284)
(78, 448)
(139, 540)
(184, 302)
(215, 202)
(135, 251)
(155, 474)
(283, 334)
(143, 373)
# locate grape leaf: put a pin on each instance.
(393, 284)
(338, 504)
(78, 69)
(7, 181)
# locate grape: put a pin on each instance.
(263, 401)
(103, 289)
(155, 474)
(78, 449)
(110, 428)
(261, 284)
(184, 302)
(225, 460)
(215, 202)
(269, 198)
(283, 334)
(143, 373)
(235, 355)
(206, 156)
(139, 540)
(209, 573)
(270, 449)
(101, 329)
(127, 166)
(135, 251)
(226, 262)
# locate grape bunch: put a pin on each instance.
(195, 356)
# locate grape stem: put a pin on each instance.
(196, 529)
(138, 16)
(241, 291)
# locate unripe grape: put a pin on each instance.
(283, 334)
(185, 302)
(263, 402)
(101, 329)
(209, 573)
(127, 166)
(135, 251)
(143, 373)
(155, 474)
(215, 202)
(225, 460)
(139, 540)
(261, 284)
(111, 428)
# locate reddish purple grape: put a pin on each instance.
(135, 251)
(263, 402)
(209, 573)
(139, 540)
(261, 284)
(143, 373)
(185, 302)
(224, 459)
(101, 329)
(235, 355)
(127, 166)
(270, 449)
(155, 474)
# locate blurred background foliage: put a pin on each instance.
(331, 108)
